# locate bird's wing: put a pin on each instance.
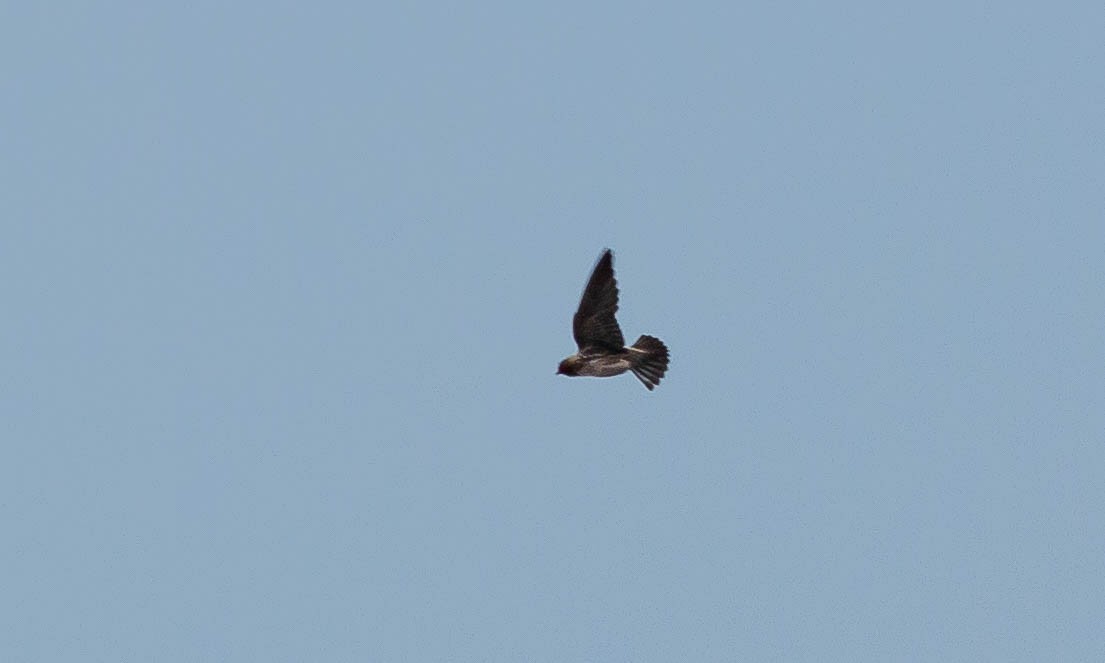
(594, 325)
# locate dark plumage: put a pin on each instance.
(602, 352)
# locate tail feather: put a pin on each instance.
(650, 357)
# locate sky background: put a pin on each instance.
(285, 287)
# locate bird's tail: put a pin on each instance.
(650, 360)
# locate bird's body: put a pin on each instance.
(602, 351)
(597, 366)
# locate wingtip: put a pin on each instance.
(606, 258)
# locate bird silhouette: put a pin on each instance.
(602, 350)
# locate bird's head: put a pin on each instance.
(569, 366)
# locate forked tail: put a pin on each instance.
(650, 360)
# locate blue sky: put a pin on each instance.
(286, 287)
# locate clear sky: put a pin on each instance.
(285, 286)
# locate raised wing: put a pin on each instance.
(594, 326)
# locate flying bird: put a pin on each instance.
(602, 352)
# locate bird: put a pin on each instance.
(602, 351)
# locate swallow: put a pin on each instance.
(602, 352)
